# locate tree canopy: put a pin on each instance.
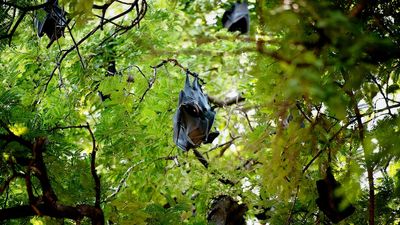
(308, 98)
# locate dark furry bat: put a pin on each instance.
(329, 202)
(194, 117)
(52, 24)
(237, 18)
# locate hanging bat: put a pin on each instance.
(194, 117)
(328, 202)
(52, 24)
(237, 18)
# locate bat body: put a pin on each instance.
(237, 18)
(329, 202)
(52, 24)
(194, 117)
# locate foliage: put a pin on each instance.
(320, 81)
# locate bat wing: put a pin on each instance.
(39, 21)
(181, 138)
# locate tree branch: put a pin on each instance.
(8, 181)
(96, 177)
(201, 158)
(176, 63)
(47, 204)
(11, 137)
(120, 31)
(367, 155)
(226, 102)
(122, 181)
(59, 211)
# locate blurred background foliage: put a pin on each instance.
(321, 82)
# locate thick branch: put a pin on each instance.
(367, 155)
(201, 158)
(10, 137)
(40, 170)
(96, 177)
(226, 102)
(358, 8)
(47, 204)
(58, 211)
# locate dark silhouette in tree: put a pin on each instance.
(53, 24)
(237, 18)
(46, 203)
(329, 202)
(226, 211)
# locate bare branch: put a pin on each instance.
(96, 177)
(201, 158)
(327, 144)
(122, 181)
(23, 12)
(150, 83)
(247, 119)
(47, 204)
(226, 102)
(176, 63)
(68, 127)
(76, 46)
(382, 93)
(303, 113)
(10, 137)
(228, 143)
(289, 219)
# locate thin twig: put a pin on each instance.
(229, 143)
(327, 144)
(176, 63)
(382, 93)
(248, 120)
(150, 83)
(289, 219)
(76, 46)
(303, 113)
(8, 181)
(122, 181)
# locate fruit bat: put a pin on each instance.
(329, 202)
(225, 210)
(237, 18)
(194, 117)
(52, 24)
